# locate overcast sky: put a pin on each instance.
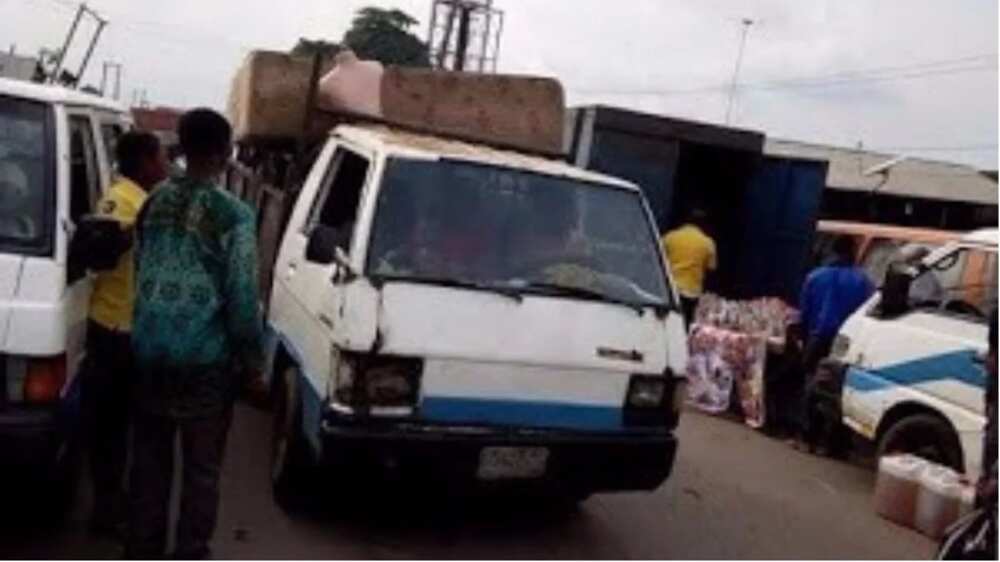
(918, 76)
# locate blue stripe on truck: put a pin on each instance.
(522, 414)
(959, 366)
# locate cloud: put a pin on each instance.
(634, 53)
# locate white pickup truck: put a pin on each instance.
(453, 311)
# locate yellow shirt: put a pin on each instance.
(114, 291)
(691, 254)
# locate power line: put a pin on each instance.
(943, 67)
(955, 148)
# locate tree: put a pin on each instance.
(384, 35)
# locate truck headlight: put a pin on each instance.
(376, 381)
(646, 391)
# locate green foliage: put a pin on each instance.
(384, 35)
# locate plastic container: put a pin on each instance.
(898, 487)
(939, 503)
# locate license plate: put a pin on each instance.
(501, 463)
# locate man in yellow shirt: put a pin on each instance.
(691, 254)
(106, 380)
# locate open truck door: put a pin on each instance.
(781, 210)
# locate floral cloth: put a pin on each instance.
(728, 352)
(197, 319)
(722, 361)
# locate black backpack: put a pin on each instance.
(98, 244)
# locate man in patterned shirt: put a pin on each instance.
(196, 339)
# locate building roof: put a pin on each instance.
(415, 145)
(56, 95)
(910, 177)
(17, 67)
(892, 232)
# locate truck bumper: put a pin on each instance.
(577, 462)
(29, 438)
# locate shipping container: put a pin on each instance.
(762, 210)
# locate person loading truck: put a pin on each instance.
(691, 253)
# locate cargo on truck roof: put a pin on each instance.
(278, 98)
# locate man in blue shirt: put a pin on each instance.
(832, 293)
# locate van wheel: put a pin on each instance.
(289, 457)
(926, 436)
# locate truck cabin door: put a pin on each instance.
(942, 335)
(307, 265)
(86, 182)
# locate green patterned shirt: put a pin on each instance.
(197, 325)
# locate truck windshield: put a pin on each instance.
(27, 175)
(509, 230)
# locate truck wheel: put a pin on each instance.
(289, 458)
(926, 436)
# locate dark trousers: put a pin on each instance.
(816, 350)
(689, 306)
(105, 388)
(203, 441)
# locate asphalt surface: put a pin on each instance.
(734, 494)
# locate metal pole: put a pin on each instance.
(90, 50)
(66, 43)
(118, 81)
(104, 78)
(446, 38)
(432, 28)
(461, 50)
(747, 22)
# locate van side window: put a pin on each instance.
(336, 205)
(963, 282)
(110, 132)
(84, 176)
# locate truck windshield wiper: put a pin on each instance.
(583, 293)
(502, 290)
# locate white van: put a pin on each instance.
(55, 160)
(914, 356)
(450, 310)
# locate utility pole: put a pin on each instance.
(106, 67)
(747, 22)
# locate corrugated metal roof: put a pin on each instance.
(416, 145)
(912, 177)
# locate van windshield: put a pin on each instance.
(26, 175)
(495, 228)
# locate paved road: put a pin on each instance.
(734, 494)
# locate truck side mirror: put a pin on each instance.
(322, 246)
(895, 292)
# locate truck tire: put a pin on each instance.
(926, 436)
(289, 458)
